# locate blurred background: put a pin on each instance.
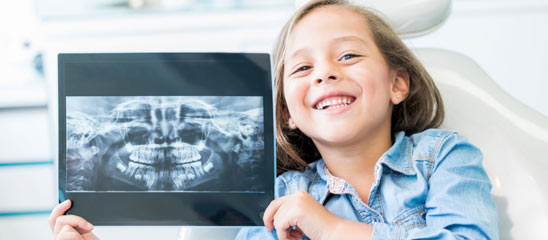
(507, 38)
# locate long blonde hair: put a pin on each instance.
(422, 109)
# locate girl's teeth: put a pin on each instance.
(333, 103)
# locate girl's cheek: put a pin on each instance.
(288, 94)
(372, 80)
(295, 93)
(291, 88)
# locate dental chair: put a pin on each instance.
(512, 136)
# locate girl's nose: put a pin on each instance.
(320, 80)
(330, 73)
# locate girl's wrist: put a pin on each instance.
(346, 229)
(333, 227)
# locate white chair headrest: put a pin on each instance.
(409, 18)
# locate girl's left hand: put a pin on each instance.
(302, 211)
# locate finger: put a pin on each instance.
(296, 234)
(282, 233)
(268, 217)
(69, 236)
(76, 222)
(283, 230)
(68, 233)
(284, 219)
(89, 236)
(290, 234)
(58, 211)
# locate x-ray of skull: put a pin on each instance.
(173, 143)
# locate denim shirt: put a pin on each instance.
(430, 185)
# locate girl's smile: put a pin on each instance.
(334, 100)
(334, 103)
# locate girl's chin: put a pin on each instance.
(335, 138)
(343, 136)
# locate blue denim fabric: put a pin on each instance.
(430, 185)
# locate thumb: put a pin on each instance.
(67, 232)
(89, 236)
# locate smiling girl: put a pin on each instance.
(357, 151)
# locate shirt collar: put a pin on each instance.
(321, 168)
(396, 158)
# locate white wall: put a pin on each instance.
(508, 38)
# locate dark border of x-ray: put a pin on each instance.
(206, 74)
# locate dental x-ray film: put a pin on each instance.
(166, 138)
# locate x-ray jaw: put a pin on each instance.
(159, 143)
(81, 149)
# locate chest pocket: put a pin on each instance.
(411, 218)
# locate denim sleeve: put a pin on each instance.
(459, 202)
(259, 233)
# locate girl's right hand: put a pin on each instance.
(69, 226)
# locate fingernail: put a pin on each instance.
(65, 202)
(90, 225)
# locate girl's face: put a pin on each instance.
(337, 86)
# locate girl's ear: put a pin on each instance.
(288, 120)
(291, 124)
(399, 88)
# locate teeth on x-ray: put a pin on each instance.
(152, 154)
(160, 143)
(208, 167)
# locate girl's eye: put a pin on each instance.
(348, 56)
(303, 68)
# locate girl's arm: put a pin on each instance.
(459, 203)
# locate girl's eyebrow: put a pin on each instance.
(298, 52)
(349, 38)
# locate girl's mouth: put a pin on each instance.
(334, 102)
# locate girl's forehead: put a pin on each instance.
(326, 24)
(325, 27)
